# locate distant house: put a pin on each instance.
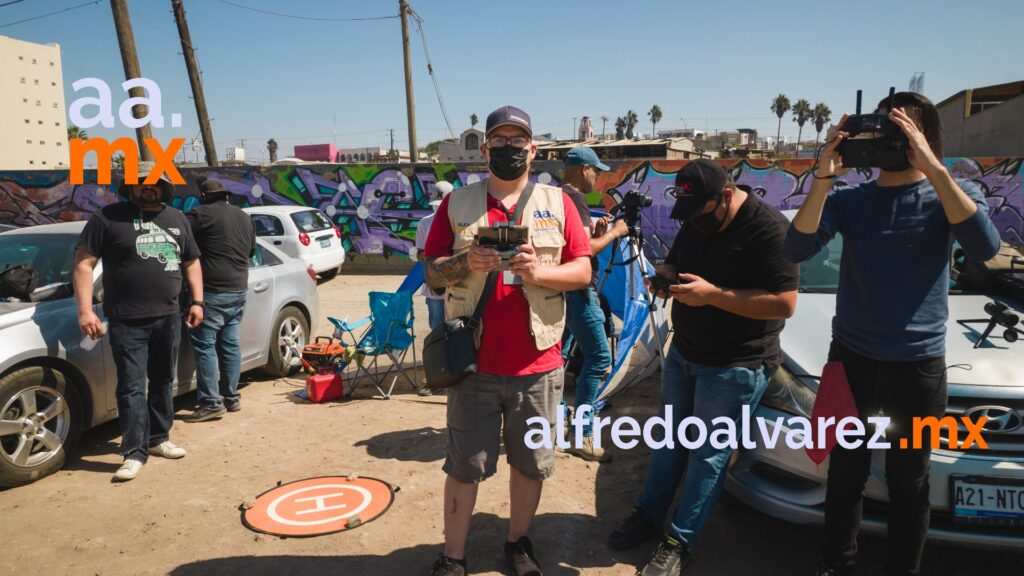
(316, 152)
(985, 121)
(466, 149)
(655, 149)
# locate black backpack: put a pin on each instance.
(18, 282)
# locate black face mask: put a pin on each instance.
(708, 224)
(508, 162)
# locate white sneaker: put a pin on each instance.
(167, 449)
(128, 471)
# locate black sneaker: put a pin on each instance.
(636, 530)
(233, 407)
(667, 560)
(445, 566)
(204, 413)
(520, 556)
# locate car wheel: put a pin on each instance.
(330, 274)
(290, 334)
(40, 422)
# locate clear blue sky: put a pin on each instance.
(708, 64)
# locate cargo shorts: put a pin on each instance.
(485, 409)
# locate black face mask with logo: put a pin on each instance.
(709, 223)
(508, 162)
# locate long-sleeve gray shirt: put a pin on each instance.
(892, 301)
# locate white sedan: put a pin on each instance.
(301, 232)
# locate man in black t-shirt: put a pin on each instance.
(144, 245)
(736, 288)
(227, 239)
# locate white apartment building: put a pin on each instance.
(33, 121)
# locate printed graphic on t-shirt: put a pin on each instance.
(155, 242)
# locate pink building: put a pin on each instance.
(316, 152)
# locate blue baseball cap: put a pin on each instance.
(584, 156)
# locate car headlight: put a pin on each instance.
(788, 393)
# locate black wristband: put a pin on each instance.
(814, 174)
(199, 303)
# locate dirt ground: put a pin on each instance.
(182, 517)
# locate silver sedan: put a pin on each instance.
(55, 383)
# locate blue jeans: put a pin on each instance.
(435, 312)
(145, 349)
(585, 321)
(705, 392)
(216, 349)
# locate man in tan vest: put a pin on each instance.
(519, 358)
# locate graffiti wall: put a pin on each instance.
(378, 206)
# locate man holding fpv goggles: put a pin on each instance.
(732, 288)
(889, 331)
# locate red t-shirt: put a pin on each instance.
(507, 347)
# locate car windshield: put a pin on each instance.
(51, 255)
(820, 274)
(311, 221)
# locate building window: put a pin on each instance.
(59, 143)
(21, 57)
(27, 121)
(28, 141)
(31, 161)
(472, 142)
(39, 102)
(34, 61)
(51, 63)
(44, 162)
(40, 122)
(23, 80)
(57, 124)
(53, 83)
(42, 142)
(54, 104)
(36, 81)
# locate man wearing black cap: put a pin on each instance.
(144, 245)
(227, 239)
(735, 290)
(519, 357)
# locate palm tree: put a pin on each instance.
(117, 161)
(631, 121)
(802, 112)
(779, 106)
(76, 132)
(822, 116)
(604, 120)
(473, 120)
(620, 128)
(655, 114)
(272, 148)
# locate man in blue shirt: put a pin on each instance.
(889, 330)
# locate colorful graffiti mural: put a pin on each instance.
(378, 206)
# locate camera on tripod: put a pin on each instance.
(881, 143)
(999, 314)
(632, 203)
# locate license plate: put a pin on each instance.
(325, 242)
(991, 501)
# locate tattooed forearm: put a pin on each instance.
(440, 272)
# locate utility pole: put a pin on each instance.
(574, 134)
(410, 104)
(197, 84)
(130, 59)
(392, 156)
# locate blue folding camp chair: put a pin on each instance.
(387, 331)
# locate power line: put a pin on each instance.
(430, 69)
(70, 8)
(242, 6)
(11, 2)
